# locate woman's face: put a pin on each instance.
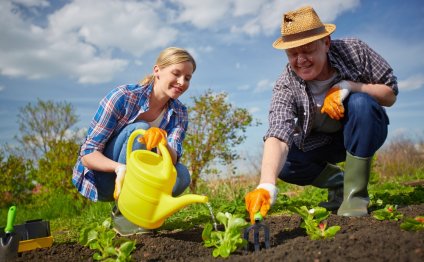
(309, 61)
(174, 80)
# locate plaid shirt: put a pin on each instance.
(119, 108)
(293, 107)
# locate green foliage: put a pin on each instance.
(55, 167)
(389, 212)
(102, 238)
(43, 126)
(16, 180)
(312, 222)
(227, 241)
(413, 224)
(394, 192)
(215, 129)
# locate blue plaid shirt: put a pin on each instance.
(293, 107)
(119, 108)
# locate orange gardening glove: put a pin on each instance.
(153, 137)
(333, 101)
(258, 200)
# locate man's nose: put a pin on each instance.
(301, 58)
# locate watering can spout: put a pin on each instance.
(169, 205)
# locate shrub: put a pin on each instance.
(16, 179)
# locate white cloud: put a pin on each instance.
(82, 38)
(267, 15)
(202, 14)
(243, 87)
(254, 109)
(412, 83)
(131, 26)
(263, 86)
(78, 41)
(243, 7)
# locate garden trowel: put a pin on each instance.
(256, 228)
(9, 243)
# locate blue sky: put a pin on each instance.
(76, 51)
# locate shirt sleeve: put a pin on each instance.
(177, 129)
(375, 69)
(104, 122)
(282, 117)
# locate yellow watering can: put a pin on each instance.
(146, 196)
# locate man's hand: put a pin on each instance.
(333, 101)
(153, 137)
(260, 200)
(119, 180)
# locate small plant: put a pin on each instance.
(314, 222)
(227, 241)
(413, 224)
(102, 238)
(389, 212)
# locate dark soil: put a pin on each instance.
(360, 239)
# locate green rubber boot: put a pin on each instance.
(355, 195)
(332, 179)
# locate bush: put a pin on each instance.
(401, 157)
(16, 178)
(55, 168)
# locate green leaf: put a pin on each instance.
(206, 233)
(127, 247)
(102, 238)
(225, 242)
(413, 224)
(331, 231)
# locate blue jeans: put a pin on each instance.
(116, 150)
(364, 132)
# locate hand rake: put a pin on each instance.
(256, 228)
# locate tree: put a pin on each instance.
(43, 125)
(215, 129)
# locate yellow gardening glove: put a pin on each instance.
(333, 101)
(153, 137)
(260, 200)
(119, 180)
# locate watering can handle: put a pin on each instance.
(162, 148)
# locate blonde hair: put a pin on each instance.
(170, 56)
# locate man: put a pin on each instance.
(326, 108)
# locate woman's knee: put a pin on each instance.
(128, 129)
(183, 179)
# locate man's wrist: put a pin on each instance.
(272, 189)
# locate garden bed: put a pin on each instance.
(359, 239)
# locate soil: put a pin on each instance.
(359, 239)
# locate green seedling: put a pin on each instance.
(413, 224)
(314, 222)
(101, 237)
(227, 241)
(389, 212)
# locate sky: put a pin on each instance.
(76, 51)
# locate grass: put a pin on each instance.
(389, 185)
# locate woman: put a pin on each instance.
(152, 105)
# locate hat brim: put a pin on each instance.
(280, 44)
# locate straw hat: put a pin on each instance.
(300, 27)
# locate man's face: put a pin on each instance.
(309, 61)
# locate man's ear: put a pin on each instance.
(327, 41)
